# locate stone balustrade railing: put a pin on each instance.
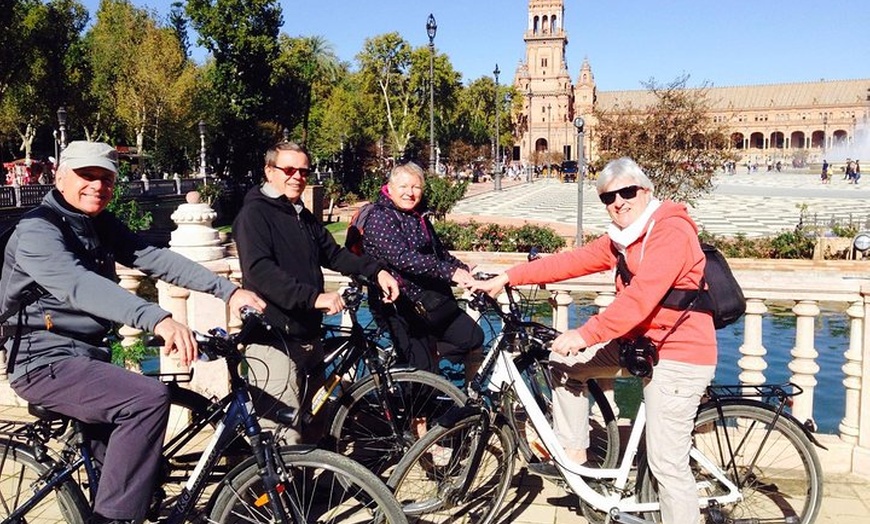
(799, 285)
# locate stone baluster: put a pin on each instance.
(130, 280)
(173, 299)
(560, 300)
(752, 364)
(861, 454)
(803, 365)
(604, 299)
(235, 276)
(197, 240)
(852, 370)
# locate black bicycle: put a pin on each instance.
(371, 409)
(46, 467)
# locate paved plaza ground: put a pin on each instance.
(755, 205)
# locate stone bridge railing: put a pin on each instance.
(799, 285)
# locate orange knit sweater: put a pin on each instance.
(666, 255)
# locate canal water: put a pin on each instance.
(831, 342)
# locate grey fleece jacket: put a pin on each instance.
(85, 300)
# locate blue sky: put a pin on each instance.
(626, 41)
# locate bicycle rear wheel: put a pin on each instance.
(363, 431)
(318, 487)
(20, 471)
(441, 481)
(770, 459)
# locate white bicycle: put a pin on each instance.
(753, 461)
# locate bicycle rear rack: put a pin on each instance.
(765, 392)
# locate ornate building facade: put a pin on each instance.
(766, 123)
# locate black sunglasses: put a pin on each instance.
(627, 193)
(290, 171)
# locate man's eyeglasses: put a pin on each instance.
(627, 193)
(289, 171)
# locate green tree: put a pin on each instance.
(309, 65)
(385, 63)
(242, 36)
(673, 139)
(37, 47)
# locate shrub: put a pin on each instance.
(473, 236)
(442, 194)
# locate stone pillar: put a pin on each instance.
(852, 370)
(560, 301)
(197, 240)
(861, 454)
(313, 197)
(173, 299)
(194, 237)
(130, 281)
(752, 364)
(803, 365)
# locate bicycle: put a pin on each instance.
(370, 408)
(752, 460)
(295, 484)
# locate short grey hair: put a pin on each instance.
(272, 153)
(623, 168)
(408, 168)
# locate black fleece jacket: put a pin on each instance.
(281, 254)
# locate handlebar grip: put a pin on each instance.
(481, 275)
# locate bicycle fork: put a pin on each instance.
(274, 482)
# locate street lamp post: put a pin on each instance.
(529, 174)
(61, 122)
(581, 174)
(202, 152)
(285, 135)
(497, 175)
(549, 156)
(431, 28)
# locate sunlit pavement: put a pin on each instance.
(754, 205)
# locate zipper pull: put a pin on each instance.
(48, 323)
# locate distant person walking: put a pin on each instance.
(856, 173)
(824, 171)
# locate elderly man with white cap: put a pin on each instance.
(69, 246)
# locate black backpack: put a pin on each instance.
(33, 291)
(719, 294)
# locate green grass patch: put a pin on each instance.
(338, 230)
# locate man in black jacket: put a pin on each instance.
(282, 248)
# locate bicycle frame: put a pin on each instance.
(505, 375)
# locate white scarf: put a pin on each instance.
(622, 238)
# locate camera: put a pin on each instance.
(638, 356)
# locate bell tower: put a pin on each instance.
(543, 79)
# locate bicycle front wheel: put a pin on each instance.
(456, 474)
(770, 459)
(375, 424)
(20, 471)
(318, 487)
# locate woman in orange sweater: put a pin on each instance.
(659, 245)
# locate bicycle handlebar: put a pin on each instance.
(218, 343)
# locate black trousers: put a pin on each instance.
(417, 340)
(126, 414)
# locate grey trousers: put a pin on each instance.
(126, 414)
(671, 397)
(280, 381)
